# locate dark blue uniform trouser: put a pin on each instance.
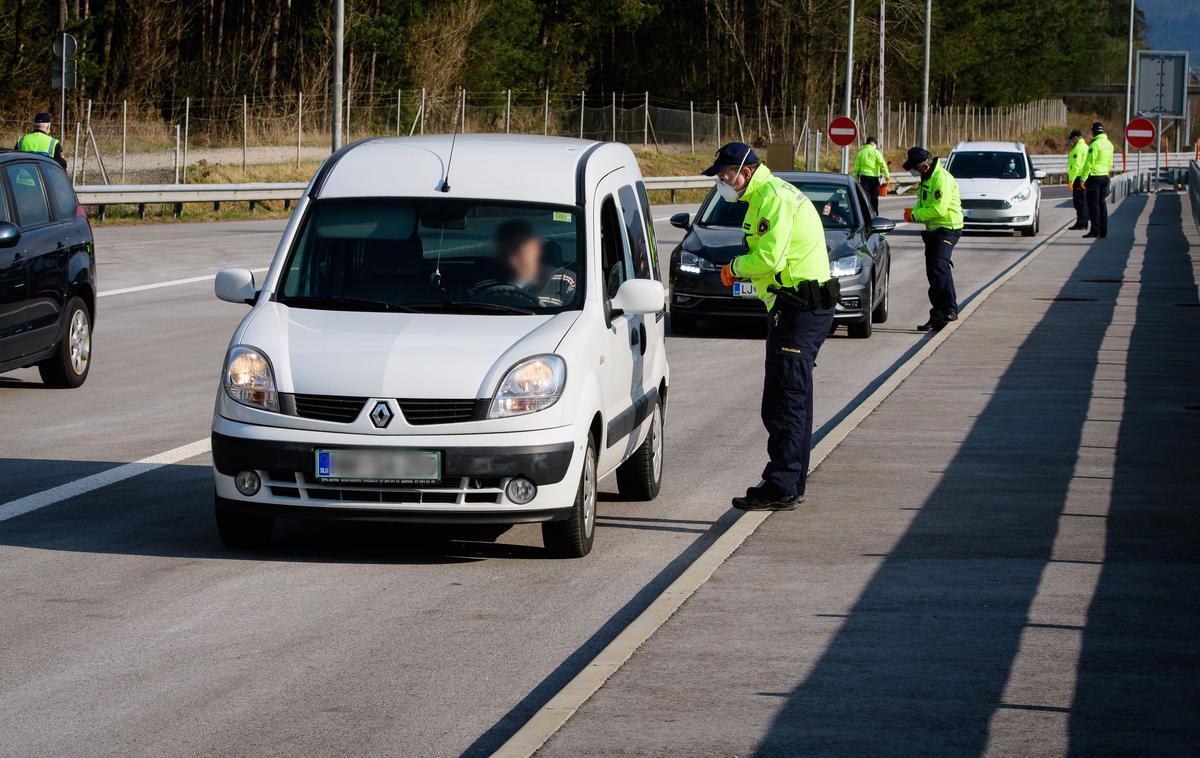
(1080, 201)
(939, 245)
(1097, 195)
(793, 339)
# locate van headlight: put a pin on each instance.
(850, 265)
(690, 263)
(1021, 196)
(249, 379)
(532, 385)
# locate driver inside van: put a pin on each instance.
(522, 255)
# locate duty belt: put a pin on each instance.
(807, 295)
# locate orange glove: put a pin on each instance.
(727, 277)
(908, 215)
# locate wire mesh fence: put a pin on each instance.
(110, 142)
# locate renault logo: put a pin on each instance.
(381, 415)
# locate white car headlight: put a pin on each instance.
(850, 265)
(1021, 196)
(532, 385)
(690, 263)
(249, 379)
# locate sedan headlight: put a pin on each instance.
(1021, 196)
(850, 265)
(690, 263)
(249, 379)
(532, 385)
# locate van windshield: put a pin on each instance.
(986, 164)
(435, 255)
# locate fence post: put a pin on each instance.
(546, 113)
(737, 112)
(87, 127)
(646, 121)
(508, 113)
(582, 97)
(614, 111)
(187, 116)
(718, 123)
(692, 123)
(422, 110)
(124, 134)
(75, 157)
(299, 125)
(463, 122)
(767, 116)
(794, 133)
(246, 129)
(399, 99)
(177, 153)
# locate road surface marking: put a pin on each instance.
(22, 505)
(170, 283)
(558, 710)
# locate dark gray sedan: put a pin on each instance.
(858, 255)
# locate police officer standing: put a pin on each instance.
(1095, 172)
(788, 264)
(39, 140)
(1076, 159)
(939, 208)
(871, 170)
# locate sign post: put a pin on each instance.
(1139, 133)
(1162, 77)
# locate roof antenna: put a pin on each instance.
(450, 158)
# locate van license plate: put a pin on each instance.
(379, 466)
(744, 289)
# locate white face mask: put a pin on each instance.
(726, 191)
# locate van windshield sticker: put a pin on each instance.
(562, 216)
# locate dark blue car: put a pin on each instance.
(47, 271)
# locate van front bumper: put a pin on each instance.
(476, 468)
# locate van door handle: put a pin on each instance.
(645, 341)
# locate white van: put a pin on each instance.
(454, 330)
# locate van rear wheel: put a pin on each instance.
(573, 537)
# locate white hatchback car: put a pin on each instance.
(462, 330)
(998, 186)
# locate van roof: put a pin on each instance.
(516, 167)
(998, 146)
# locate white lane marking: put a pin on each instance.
(22, 505)
(562, 706)
(170, 283)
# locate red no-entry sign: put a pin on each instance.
(842, 131)
(1139, 133)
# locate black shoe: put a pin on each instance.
(931, 326)
(1077, 226)
(952, 318)
(1091, 234)
(758, 502)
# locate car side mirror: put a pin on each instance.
(881, 225)
(235, 285)
(1039, 174)
(10, 234)
(681, 220)
(638, 297)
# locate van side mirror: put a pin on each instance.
(681, 220)
(881, 225)
(638, 297)
(235, 285)
(1039, 174)
(10, 234)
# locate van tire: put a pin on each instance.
(640, 477)
(238, 529)
(573, 536)
(68, 366)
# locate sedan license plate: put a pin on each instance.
(379, 466)
(744, 289)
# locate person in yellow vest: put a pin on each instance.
(1076, 160)
(871, 170)
(787, 264)
(939, 208)
(1095, 176)
(39, 140)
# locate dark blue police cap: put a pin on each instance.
(731, 154)
(916, 156)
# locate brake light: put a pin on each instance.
(81, 212)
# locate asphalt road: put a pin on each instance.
(129, 629)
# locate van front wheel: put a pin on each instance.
(640, 477)
(573, 536)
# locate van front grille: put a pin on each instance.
(329, 407)
(420, 412)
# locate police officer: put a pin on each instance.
(788, 264)
(39, 140)
(1076, 159)
(871, 170)
(939, 208)
(1095, 172)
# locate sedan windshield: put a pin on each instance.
(831, 200)
(435, 255)
(986, 164)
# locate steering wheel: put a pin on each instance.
(503, 290)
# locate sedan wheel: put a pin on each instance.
(72, 359)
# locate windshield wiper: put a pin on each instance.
(347, 304)
(467, 305)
